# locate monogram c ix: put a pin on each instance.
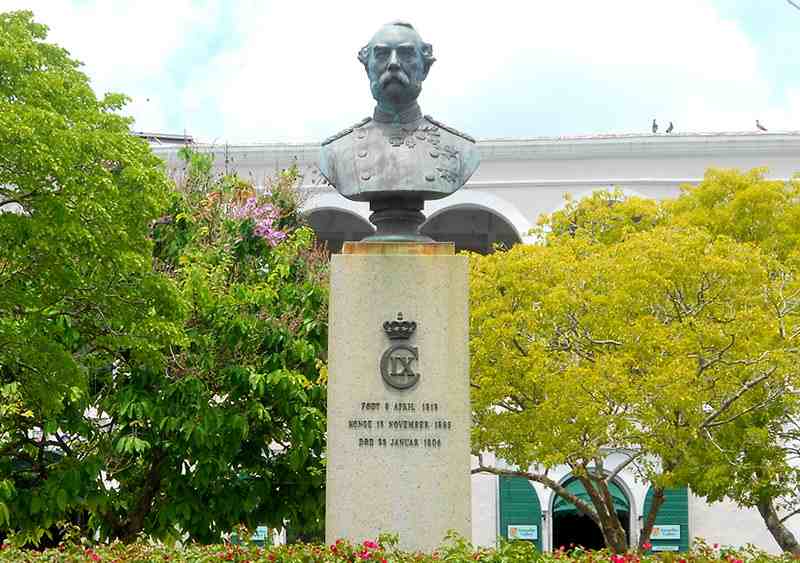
(399, 361)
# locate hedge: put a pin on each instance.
(382, 550)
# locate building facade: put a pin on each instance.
(519, 180)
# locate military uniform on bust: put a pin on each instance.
(374, 159)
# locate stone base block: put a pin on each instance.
(398, 402)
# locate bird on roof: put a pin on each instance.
(670, 128)
(759, 126)
(655, 126)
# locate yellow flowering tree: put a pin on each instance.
(633, 331)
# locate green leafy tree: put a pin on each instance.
(77, 290)
(624, 340)
(161, 349)
(754, 459)
(233, 431)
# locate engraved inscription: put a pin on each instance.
(400, 424)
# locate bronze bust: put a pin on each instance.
(398, 158)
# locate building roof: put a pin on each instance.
(534, 148)
(165, 138)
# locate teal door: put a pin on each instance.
(520, 511)
(572, 528)
(671, 531)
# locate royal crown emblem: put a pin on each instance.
(398, 363)
(399, 329)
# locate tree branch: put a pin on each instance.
(610, 477)
(751, 408)
(704, 364)
(546, 481)
(650, 520)
(519, 347)
(726, 404)
(792, 513)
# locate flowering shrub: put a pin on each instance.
(263, 218)
(382, 550)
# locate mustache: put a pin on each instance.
(397, 75)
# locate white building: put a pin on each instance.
(518, 180)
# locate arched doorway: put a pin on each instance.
(470, 228)
(335, 226)
(571, 528)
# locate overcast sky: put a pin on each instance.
(251, 71)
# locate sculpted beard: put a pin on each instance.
(395, 86)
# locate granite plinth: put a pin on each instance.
(398, 459)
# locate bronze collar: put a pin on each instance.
(406, 116)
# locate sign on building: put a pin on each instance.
(666, 532)
(523, 532)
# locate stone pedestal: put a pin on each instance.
(398, 438)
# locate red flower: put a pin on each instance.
(647, 545)
(369, 544)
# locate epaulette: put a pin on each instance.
(347, 131)
(450, 129)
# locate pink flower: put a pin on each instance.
(369, 544)
(263, 217)
(647, 545)
(364, 554)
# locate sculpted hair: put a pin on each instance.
(426, 48)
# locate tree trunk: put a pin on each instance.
(781, 533)
(152, 484)
(655, 506)
(610, 526)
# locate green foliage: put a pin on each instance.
(382, 550)
(640, 329)
(753, 459)
(241, 411)
(161, 350)
(77, 291)
(745, 207)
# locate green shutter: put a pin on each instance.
(519, 505)
(673, 512)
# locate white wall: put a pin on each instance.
(519, 179)
(725, 523)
